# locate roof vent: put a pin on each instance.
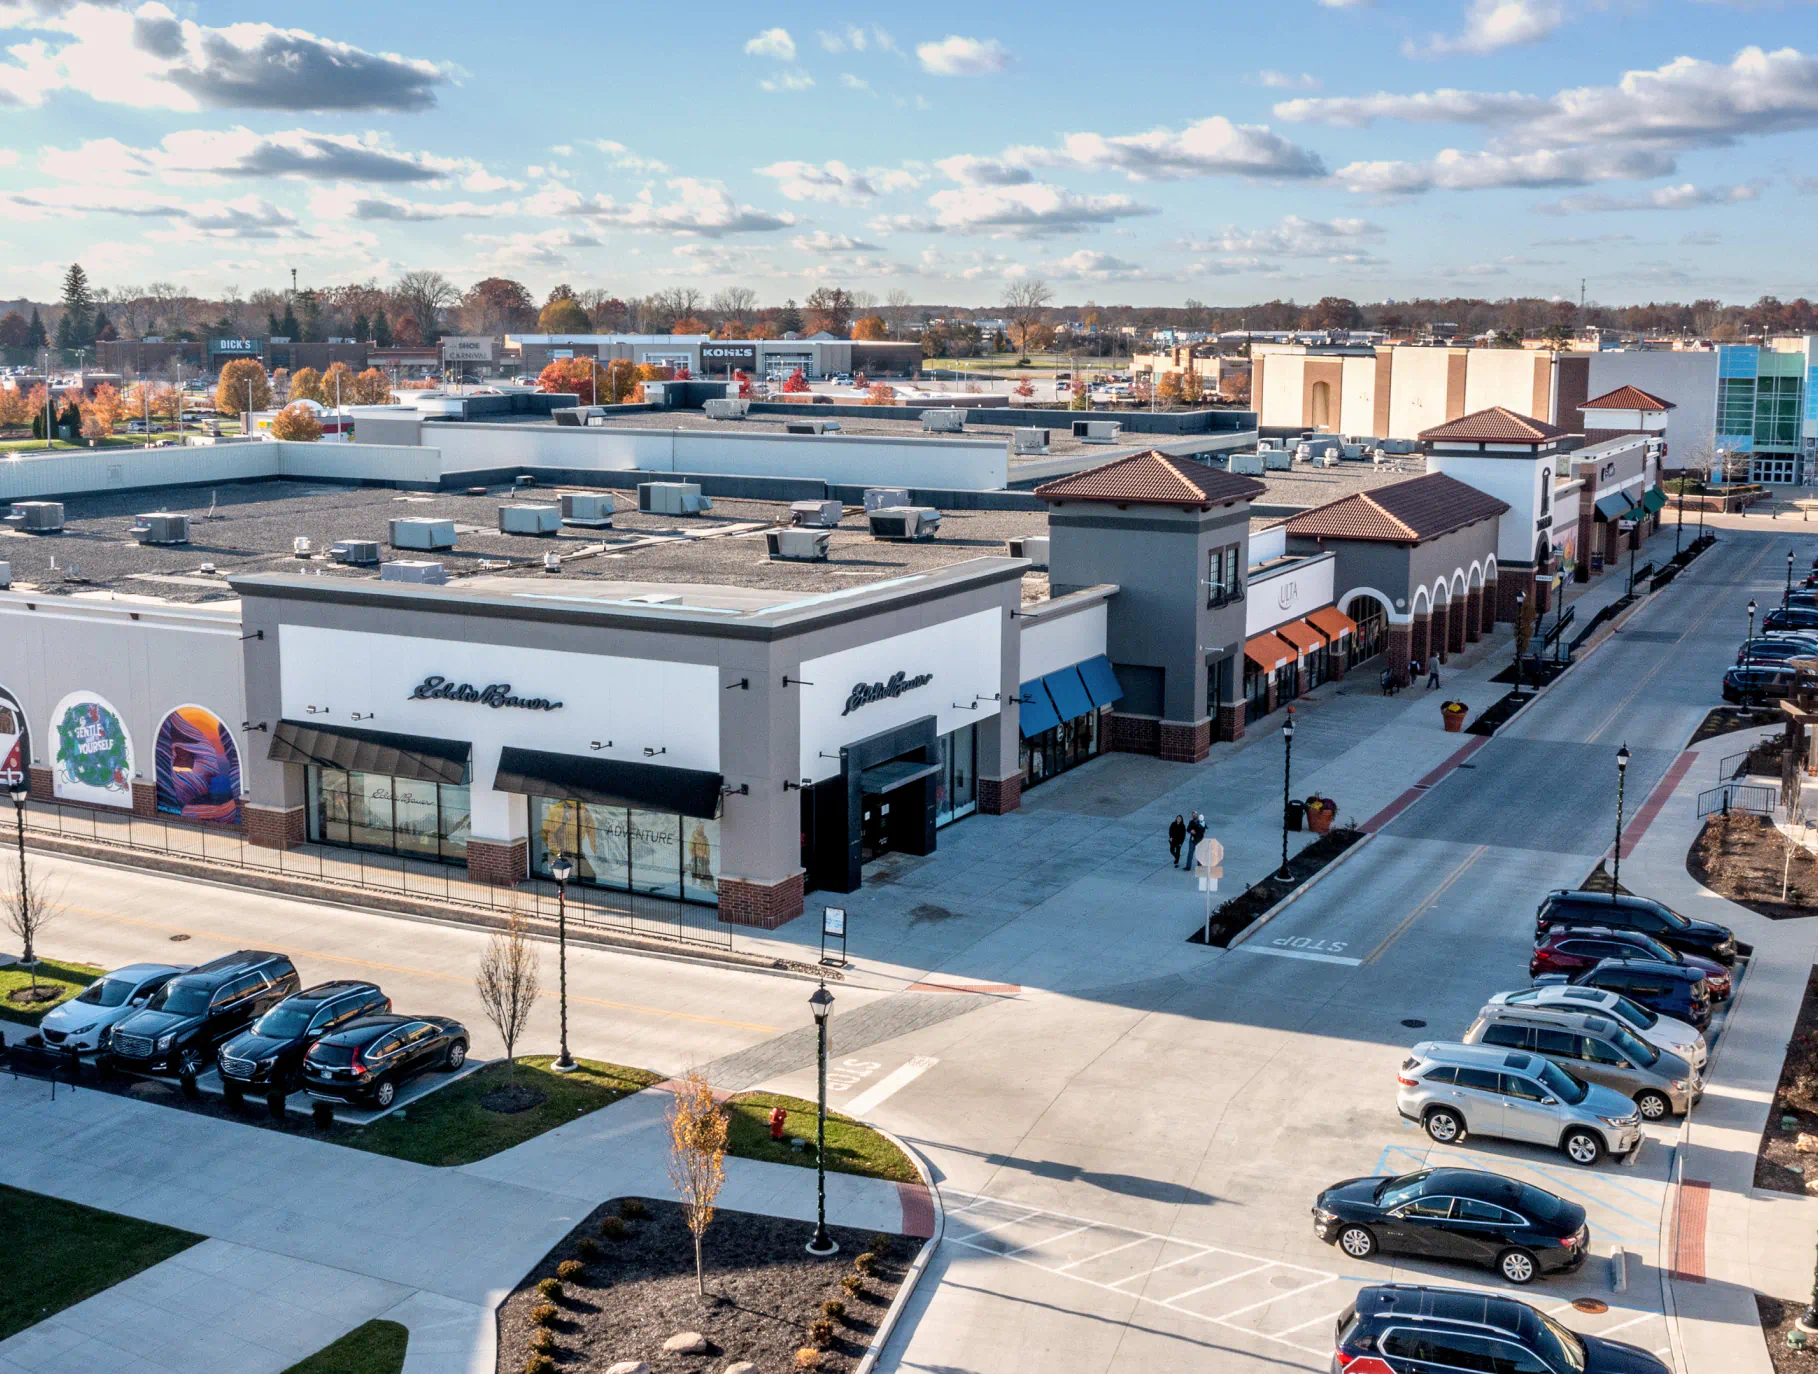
(299, 547)
(161, 527)
(799, 546)
(356, 553)
(37, 517)
(672, 498)
(811, 426)
(726, 408)
(944, 421)
(414, 570)
(878, 497)
(587, 509)
(552, 562)
(1029, 441)
(533, 520)
(820, 515)
(918, 523)
(1097, 431)
(422, 533)
(1248, 464)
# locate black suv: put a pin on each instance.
(177, 1031)
(1759, 682)
(365, 1062)
(268, 1056)
(1562, 907)
(1404, 1328)
(1791, 618)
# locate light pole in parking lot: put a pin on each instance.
(1287, 773)
(1786, 597)
(1622, 773)
(561, 870)
(821, 1004)
(1748, 645)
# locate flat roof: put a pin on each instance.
(245, 528)
(1306, 486)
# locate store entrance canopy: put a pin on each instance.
(1613, 507)
(420, 758)
(887, 777)
(609, 782)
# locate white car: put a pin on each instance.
(84, 1022)
(1662, 1032)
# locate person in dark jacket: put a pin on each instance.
(1196, 831)
(1177, 836)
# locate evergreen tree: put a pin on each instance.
(362, 328)
(381, 329)
(789, 320)
(104, 327)
(66, 333)
(78, 308)
(272, 327)
(35, 336)
(288, 326)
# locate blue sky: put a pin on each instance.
(1661, 148)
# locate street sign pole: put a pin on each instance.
(1208, 863)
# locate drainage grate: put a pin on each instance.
(1413, 1023)
(178, 939)
(1590, 1306)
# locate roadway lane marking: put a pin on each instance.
(1300, 954)
(418, 972)
(1426, 904)
(888, 1086)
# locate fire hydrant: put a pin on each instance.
(777, 1118)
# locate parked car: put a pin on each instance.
(369, 1059)
(1774, 650)
(268, 1056)
(1755, 685)
(1791, 618)
(1670, 989)
(1451, 1089)
(1664, 1032)
(1570, 950)
(1406, 1328)
(1521, 1231)
(1568, 907)
(85, 1022)
(178, 1029)
(1598, 1049)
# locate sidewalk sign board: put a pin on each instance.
(833, 923)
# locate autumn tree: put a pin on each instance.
(103, 412)
(796, 382)
(371, 388)
(1168, 388)
(297, 422)
(508, 984)
(564, 317)
(497, 305)
(27, 906)
(881, 394)
(871, 327)
(1192, 388)
(15, 408)
(830, 309)
(421, 297)
(1023, 303)
(688, 324)
(734, 304)
(13, 330)
(732, 329)
(698, 1128)
(337, 382)
(242, 385)
(305, 385)
(1024, 390)
(570, 374)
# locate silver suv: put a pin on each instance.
(1596, 1048)
(1451, 1089)
(1662, 1032)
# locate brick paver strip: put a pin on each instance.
(1631, 836)
(918, 1209)
(989, 989)
(1408, 798)
(1688, 1231)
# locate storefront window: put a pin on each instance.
(1372, 619)
(1067, 745)
(421, 820)
(628, 849)
(956, 785)
(1256, 691)
(656, 853)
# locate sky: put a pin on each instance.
(1661, 149)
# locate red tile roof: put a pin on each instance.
(1497, 425)
(1626, 398)
(1153, 478)
(1406, 513)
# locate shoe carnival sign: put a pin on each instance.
(496, 695)
(864, 693)
(15, 741)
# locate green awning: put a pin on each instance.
(1614, 507)
(1654, 500)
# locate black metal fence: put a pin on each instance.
(633, 913)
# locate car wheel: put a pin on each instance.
(190, 1063)
(1653, 1106)
(1359, 1242)
(457, 1055)
(385, 1093)
(1444, 1126)
(1582, 1146)
(1517, 1266)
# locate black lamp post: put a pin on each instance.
(1634, 539)
(1287, 773)
(1786, 597)
(1521, 600)
(21, 791)
(561, 870)
(1679, 529)
(1748, 645)
(821, 1004)
(1622, 773)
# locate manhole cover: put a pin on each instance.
(1413, 1022)
(1590, 1306)
(178, 939)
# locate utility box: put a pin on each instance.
(414, 570)
(820, 515)
(878, 497)
(811, 426)
(726, 408)
(1028, 441)
(161, 527)
(906, 523)
(944, 421)
(6, 576)
(591, 510)
(1035, 549)
(1250, 464)
(672, 498)
(422, 533)
(356, 553)
(798, 546)
(1097, 431)
(533, 520)
(1277, 460)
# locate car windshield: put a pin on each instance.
(285, 1021)
(109, 992)
(1559, 1347)
(180, 999)
(1638, 1051)
(1539, 1204)
(1672, 918)
(1560, 1083)
(1634, 1013)
(1653, 947)
(1396, 1191)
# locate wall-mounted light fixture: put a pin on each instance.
(315, 710)
(596, 744)
(256, 634)
(368, 716)
(743, 685)
(650, 753)
(248, 725)
(742, 790)
(795, 681)
(966, 705)
(980, 696)
(797, 786)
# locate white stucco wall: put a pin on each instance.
(1357, 410)
(1056, 642)
(1502, 377)
(1417, 394)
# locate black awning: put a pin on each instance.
(608, 782)
(418, 757)
(887, 777)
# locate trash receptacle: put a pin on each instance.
(1296, 816)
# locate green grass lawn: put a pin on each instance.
(374, 1348)
(450, 1127)
(851, 1148)
(68, 979)
(58, 1253)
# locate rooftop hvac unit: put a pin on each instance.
(37, 517)
(799, 546)
(537, 520)
(414, 570)
(672, 498)
(876, 498)
(944, 421)
(1278, 460)
(820, 515)
(522, 480)
(811, 426)
(1029, 441)
(1034, 548)
(356, 553)
(300, 547)
(422, 533)
(161, 527)
(1097, 431)
(905, 522)
(1247, 464)
(6, 576)
(727, 408)
(587, 509)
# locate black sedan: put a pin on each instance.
(365, 1062)
(268, 1055)
(1514, 1228)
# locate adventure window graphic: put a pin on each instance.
(15, 741)
(198, 767)
(94, 759)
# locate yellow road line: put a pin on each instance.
(420, 972)
(1425, 905)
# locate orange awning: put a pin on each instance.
(1267, 652)
(1302, 636)
(1334, 622)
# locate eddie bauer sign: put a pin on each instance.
(864, 693)
(495, 695)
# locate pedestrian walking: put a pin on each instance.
(1388, 681)
(1414, 671)
(1177, 836)
(1433, 672)
(1196, 831)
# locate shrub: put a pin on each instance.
(833, 1309)
(807, 1357)
(539, 1363)
(550, 1288)
(543, 1339)
(587, 1248)
(821, 1333)
(570, 1270)
(865, 1263)
(883, 1245)
(543, 1313)
(612, 1228)
(631, 1208)
(853, 1284)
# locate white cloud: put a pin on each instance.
(957, 56)
(1207, 147)
(549, 248)
(1491, 25)
(349, 202)
(9, 157)
(1029, 211)
(856, 38)
(968, 170)
(1453, 170)
(1337, 240)
(1426, 107)
(702, 208)
(854, 83)
(835, 183)
(1343, 4)
(820, 241)
(795, 80)
(772, 43)
(1282, 81)
(1087, 265)
(624, 158)
(209, 156)
(1683, 197)
(243, 217)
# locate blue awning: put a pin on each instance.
(1100, 680)
(1069, 693)
(1037, 714)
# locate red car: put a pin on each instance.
(1572, 949)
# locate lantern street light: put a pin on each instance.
(1287, 772)
(1622, 773)
(821, 1004)
(1748, 649)
(1786, 597)
(561, 870)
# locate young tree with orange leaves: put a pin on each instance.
(570, 374)
(697, 1159)
(243, 385)
(297, 423)
(306, 385)
(796, 381)
(343, 375)
(103, 412)
(871, 327)
(881, 394)
(371, 388)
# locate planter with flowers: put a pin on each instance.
(1321, 811)
(1453, 713)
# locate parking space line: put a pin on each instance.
(1293, 1293)
(1200, 1253)
(1046, 1240)
(1623, 1326)
(1560, 1185)
(1013, 1221)
(1217, 1283)
(1333, 1315)
(1102, 1253)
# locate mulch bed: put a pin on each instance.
(1777, 1318)
(1726, 720)
(30, 996)
(1779, 1166)
(512, 1098)
(764, 1292)
(1495, 716)
(1740, 856)
(1232, 917)
(1535, 672)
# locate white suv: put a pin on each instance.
(1452, 1089)
(1662, 1032)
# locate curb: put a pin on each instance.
(1619, 1272)
(1297, 893)
(887, 1327)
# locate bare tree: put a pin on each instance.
(1023, 302)
(423, 296)
(734, 303)
(898, 302)
(28, 905)
(697, 1159)
(507, 983)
